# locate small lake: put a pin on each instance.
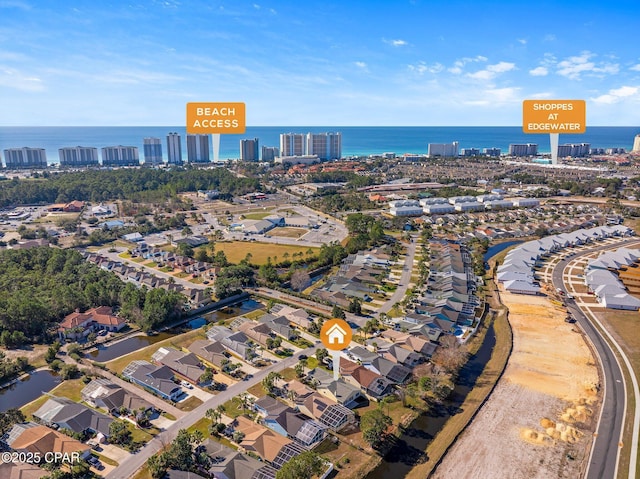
(28, 389)
(230, 312)
(112, 351)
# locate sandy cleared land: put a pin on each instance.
(538, 422)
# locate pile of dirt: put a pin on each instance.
(535, 437)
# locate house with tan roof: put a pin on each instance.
(35, 438)
(21, 470)
(259, 439)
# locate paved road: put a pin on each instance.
(128, 468)
(405, 278)
(604, 456)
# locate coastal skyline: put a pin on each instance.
(371, 63)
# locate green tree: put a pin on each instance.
(119, 433)
(373, 425)
(305, 465)
(337, 312)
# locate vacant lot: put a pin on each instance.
(236, 251)
(543, 408)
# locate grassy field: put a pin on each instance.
(288, 232)
(182, 340)
(189, 404)
(257, 216)
(236, 251)
(70, 388)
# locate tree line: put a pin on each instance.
(40, 286)
(140, 185)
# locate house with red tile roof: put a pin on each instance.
(79, 325)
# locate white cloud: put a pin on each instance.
(395, 43)
(492, 71)
(635, 68)
(421, 68)
(12, 78)
(522, 41)
(539, 72)
(362, 66)
(616, 94)
(458, 65)
(256, 6)
(574, 67)
(549, 37)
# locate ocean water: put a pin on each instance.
(356, 141)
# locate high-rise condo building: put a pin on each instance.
(493, 152)
(152, 151)
(198, 149)
(22, 158)
(530, 149)
(120, 156)
(636, 144)
(292, 144)
(270, 153)
(249, 150)
(326, 146)
(574, 150)
(78, 156)
(174, 149)
(443, 149)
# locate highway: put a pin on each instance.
(603, 462)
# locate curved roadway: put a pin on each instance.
(603, 462)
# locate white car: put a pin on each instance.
(187, 385)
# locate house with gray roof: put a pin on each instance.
(235, 342)
(105, 394)
(213, 352)
(227, 463)
(186, 365)
(157, 379)
(67, 414)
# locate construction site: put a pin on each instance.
(539, 420)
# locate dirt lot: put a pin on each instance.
(539, 420)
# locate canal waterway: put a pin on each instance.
(409, 449)
(498, 248)
(28, 389)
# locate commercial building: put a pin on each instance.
(174, 149)
(120, 156)
(152, 151)
(198, 150)
(529, 149)
(636, 144)
(78, 156)
(249, 150)
(443, 149)
(23, 158)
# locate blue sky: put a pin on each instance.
(306, 63)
